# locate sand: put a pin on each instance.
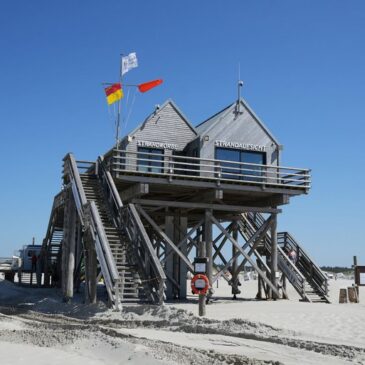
(34, 323)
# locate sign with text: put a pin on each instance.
(242, 146)
(150, 144)
(200, 265)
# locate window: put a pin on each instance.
(236, 170)
(150, 159)
(258, 158)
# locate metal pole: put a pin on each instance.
(119, 104)
(202, 301)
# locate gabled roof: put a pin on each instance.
(209, 123)
(204, 126)
(171, 102)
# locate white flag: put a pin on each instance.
(129, 62)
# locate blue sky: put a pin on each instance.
(302, 64)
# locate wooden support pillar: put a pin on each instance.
(64, 260)
(285, 293)
(86, 263)
(208, 239)
(176, 258)
(202, 298)
(71, 245)
(78, 256)
(234, 270)
(180, 232)
(176, 268)
(259, 281)
(47, 268)
(92, 273)
(90, 260)
(268, 291)
(66, 243)
(274, 254)
(169, 230)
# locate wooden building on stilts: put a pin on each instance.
(136, 217)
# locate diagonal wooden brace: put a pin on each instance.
(219, 248)
(187, 237)
(165, 238)
(255, 238)
(249, 259)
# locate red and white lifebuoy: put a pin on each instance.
(199, 284)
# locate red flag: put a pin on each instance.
(149, 85)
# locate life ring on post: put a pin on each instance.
(199, 284)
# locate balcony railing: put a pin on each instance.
(183, 167)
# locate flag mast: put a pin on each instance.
(114, 92)
(119, 105)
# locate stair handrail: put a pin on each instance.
(55, 205)
(125, 214)
(319, 278)
(98, 229)
(146, 253)
(71, 171)
(289, 267)
(303, 252)
(322, 281)
(57, 202)
(106, 260)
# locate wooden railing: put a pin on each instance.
(304, 263)
(145, 253)
(89, 216)
(127, 218)
(175, 167)
(251, 222)
(311, 271)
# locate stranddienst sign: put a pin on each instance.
(242, 146)
(167, 146)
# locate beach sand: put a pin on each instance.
(36, 325)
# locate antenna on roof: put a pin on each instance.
(240, 85)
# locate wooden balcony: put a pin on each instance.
(186, 178)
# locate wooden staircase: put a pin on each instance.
(305, 276)
(131, 288)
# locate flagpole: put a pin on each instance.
(119, 117)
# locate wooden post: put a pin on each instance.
(183, 269)
(78, 255)
(86, 262)
(71, 245)
(234, 270)
(65, 248)
(207, 238)
(356, 286)
(274, 254)
(202, 297)
(169, 230)
(259, 281)
(176, 258)
(92, 274)
(267, 289)
(284, 286)
(343, 296)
